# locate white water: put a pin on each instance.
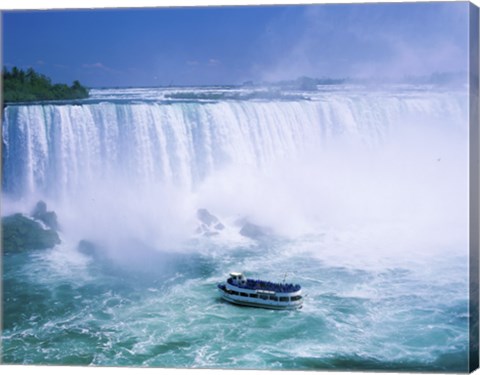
(132, 168)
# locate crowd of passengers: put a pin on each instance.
(267, 285)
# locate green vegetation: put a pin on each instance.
(24, 86)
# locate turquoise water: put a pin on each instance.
(164, 311)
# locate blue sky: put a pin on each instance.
(230, 45)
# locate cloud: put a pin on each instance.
(97, 65)
(366, 41)
(409, 59)
(213, 62)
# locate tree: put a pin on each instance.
(19, 86)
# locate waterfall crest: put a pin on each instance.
(52, 150)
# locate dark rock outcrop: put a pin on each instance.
(206, 217)
(87, 248)
(49, 218)
(21, 233)
(209, 224)
(254, 231)
(219, 226)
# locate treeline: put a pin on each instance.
(24, 86)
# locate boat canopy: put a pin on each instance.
(238, 279)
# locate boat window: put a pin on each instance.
(263, 296)
(296, 298)
(283, 299)
(234, 292)
(244, 294)
(273, 298)
(253, 296)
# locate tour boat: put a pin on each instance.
(259, 293)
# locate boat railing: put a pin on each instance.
(253, 284)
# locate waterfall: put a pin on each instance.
(55, 149)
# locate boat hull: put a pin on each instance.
(259, 305)
(258, 302)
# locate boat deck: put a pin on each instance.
(252, 284)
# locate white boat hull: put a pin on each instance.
(260, 300)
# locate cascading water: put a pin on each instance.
(365, 192)
(59, 148)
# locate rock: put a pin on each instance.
(254, 231)
(87, 248)
(209, 224)
(210, 234)
(20, 233)
(49, 218)
(206, 217)
(40, 209)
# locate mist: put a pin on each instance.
(386, 172)
(334, 40)
(409, 194)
